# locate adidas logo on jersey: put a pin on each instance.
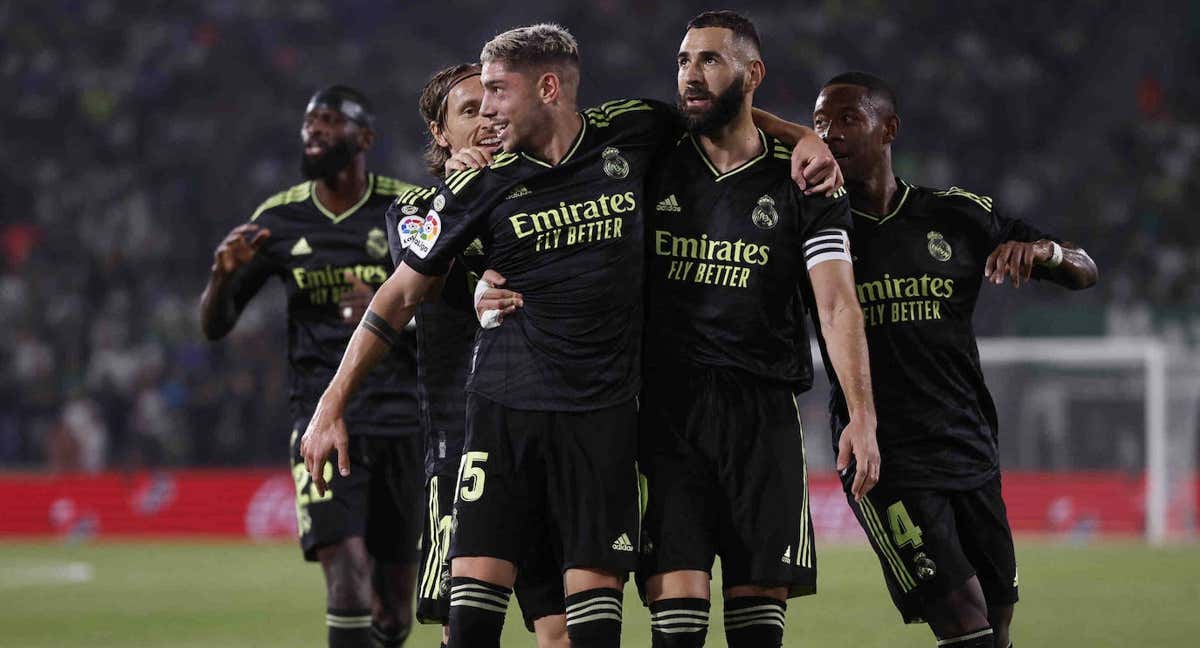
(622, 543)
(668, 204)
(787, 556)
(519, 191)
(301, 247)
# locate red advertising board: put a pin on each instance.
(259, 504)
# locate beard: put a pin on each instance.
(725, 107)
(327, 165)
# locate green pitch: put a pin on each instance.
(202, 595)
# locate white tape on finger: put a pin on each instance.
(490, 318)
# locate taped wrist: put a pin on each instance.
(490, 318)
(381, 328)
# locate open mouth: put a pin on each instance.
(491, 141)
(314, 148)
(697, 101)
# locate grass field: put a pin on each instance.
(203, 595)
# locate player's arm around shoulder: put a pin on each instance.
(831, 275)
(814, 169)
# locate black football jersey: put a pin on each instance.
(310, 249)
(568, 237)
(446, 331)
(918, 271)
(727, 262)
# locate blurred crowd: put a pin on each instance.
(136, 133)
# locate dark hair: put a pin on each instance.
(876, 87)
(735, 22)
(433, 109)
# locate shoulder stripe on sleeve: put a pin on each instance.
(297, 193)
(460, 179)
(831, 244)
(983, 201)
(414, 195)
(503, 160)
(603, 114)
(391, 186)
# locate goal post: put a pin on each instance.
(1098, 435)
(1150, 354)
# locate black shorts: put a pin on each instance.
(723, 456)
(931, 542)
(539, 586)
(531, 479)
(380, 501)
(433, 581)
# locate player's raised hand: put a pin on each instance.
(239, 247)
(814, 169)
(326, 432)
(468, 157)
(354, 301)
(1016, 259)
(858, 441)
(492, 301)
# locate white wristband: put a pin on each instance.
(491, 317)
(1056, 257)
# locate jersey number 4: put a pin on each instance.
(904, 531)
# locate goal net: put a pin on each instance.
(1097, 436)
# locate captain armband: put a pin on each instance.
(382, 329)
(830, 244)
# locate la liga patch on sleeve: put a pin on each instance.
(408, 228)
(424, 239)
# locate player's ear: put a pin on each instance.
(755, 73)
(891, 126)
(548, 87)
(366, 138)
(438, 137)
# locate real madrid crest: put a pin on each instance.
(764, 215)
(938, 247)
(925, 567)
(615, 166)
(377, 243)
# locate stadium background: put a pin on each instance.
(136, 133)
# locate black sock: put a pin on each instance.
(754, 622)
(382, 637)
(476, 613)
(348, 628)
(594, 618)
(678, 623)
(977, 639)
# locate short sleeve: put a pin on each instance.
(456, 214)
(1014, 229)
(825, 227)
(404, 219)
(819, 212)
(656, 120)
